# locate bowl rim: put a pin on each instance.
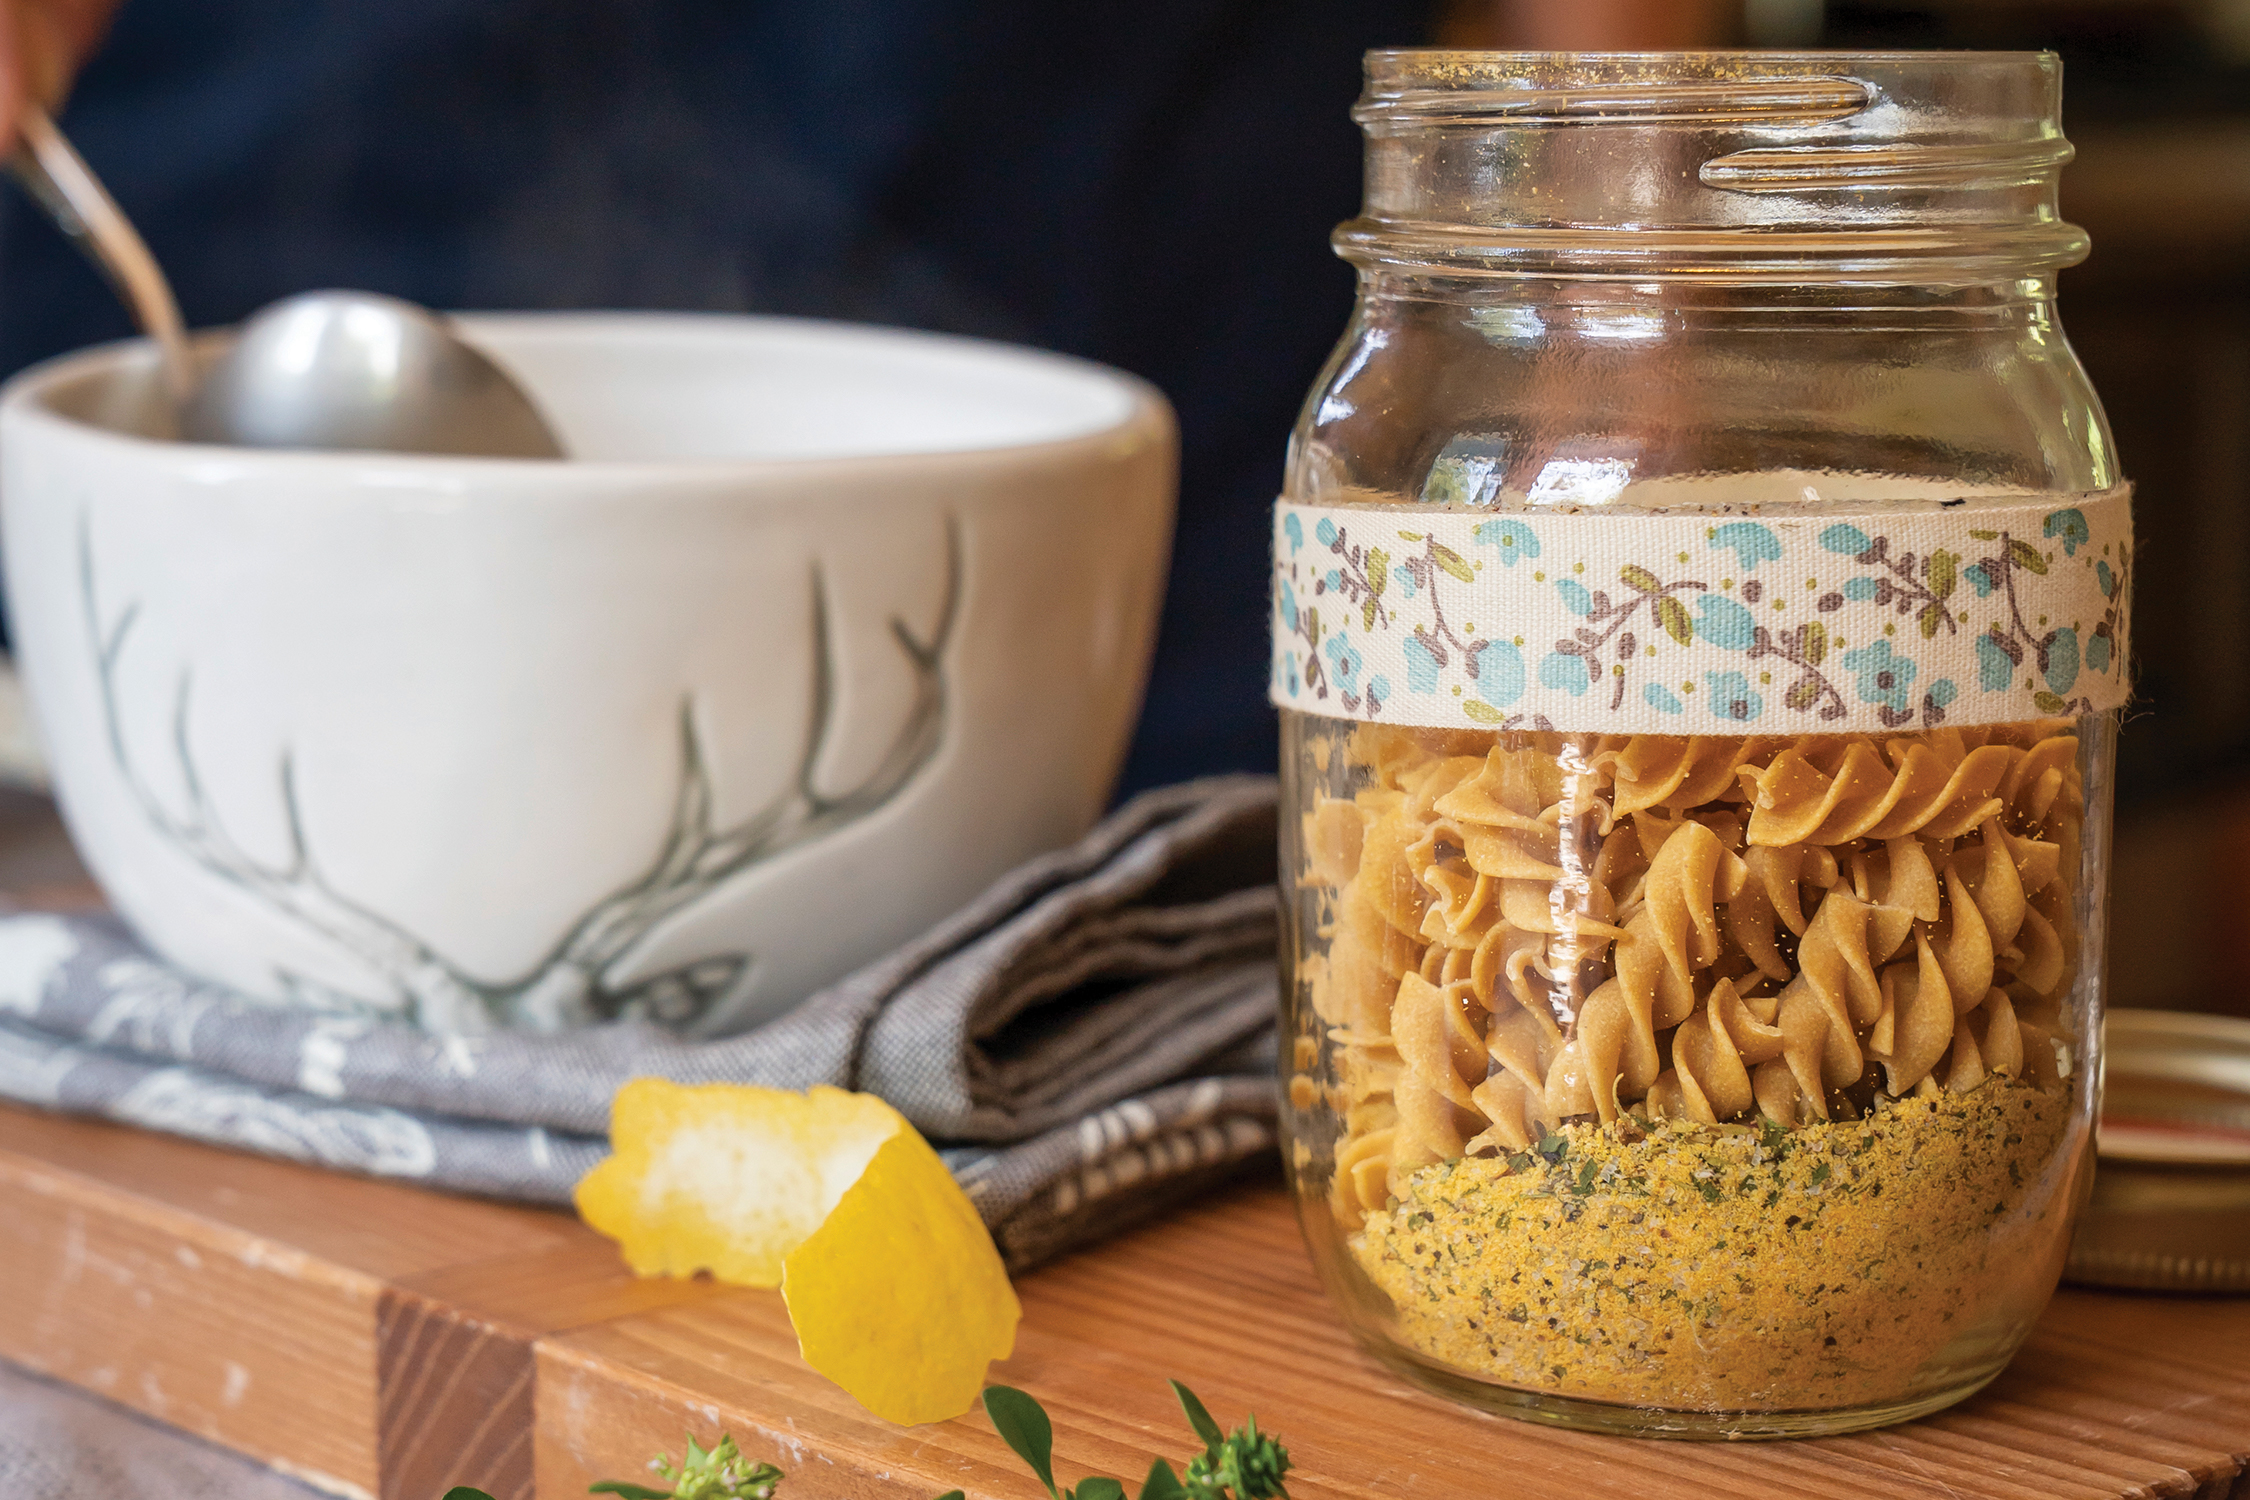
(25, 398)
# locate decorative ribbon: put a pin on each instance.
(1777, 620)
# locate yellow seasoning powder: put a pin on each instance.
(1729, 1268)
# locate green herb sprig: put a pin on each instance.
(721, 1473)
(1244, 1464)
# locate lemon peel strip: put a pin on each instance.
(900, 1297)
(892, 1282)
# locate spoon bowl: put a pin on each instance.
(354, 370)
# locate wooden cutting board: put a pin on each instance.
(382, 1341)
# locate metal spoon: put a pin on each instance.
(346, 370)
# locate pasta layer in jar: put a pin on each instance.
(1576, 985)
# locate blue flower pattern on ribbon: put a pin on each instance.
(1849, 540)
(1994, 668)
(1750, 543)
(1884, 676)
(1731, 698)
(2060, 667)
(1343, 661)
(1724, 623)
(2069, 527)
(1421, 665)
(1508, 536)
(1662, 699)
(1567, 674)
(1500, 677)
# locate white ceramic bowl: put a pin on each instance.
(820, 630)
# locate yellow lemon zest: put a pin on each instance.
(900, 1297)
(892, 1282)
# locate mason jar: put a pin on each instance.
(1700, 621)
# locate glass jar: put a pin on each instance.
(1700, 622)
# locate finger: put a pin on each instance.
(43, 59)
(42, 44)
(79, 28)
(11, 76)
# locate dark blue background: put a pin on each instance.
(1151, 185)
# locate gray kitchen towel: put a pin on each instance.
(1087, 1039)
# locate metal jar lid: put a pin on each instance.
(2171, 1201)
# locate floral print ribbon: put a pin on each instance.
(1774, 621)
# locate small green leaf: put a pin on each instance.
(1451, 561)
(1022, 1424)
(1929, 618)
(1482, 712)
(2026, 556)
(1378, 568)
(1803, 693)
(1198, 1417)
(2050, 703)
(1163, 1484)
(470, 1492)
(1986, 536)
(1940, 571)
(1815, 639)
(1099, 1488)
(1367, 615)
(953, 1495)
(1639, 577)
(618, 1487)
(696, 1457)
(1673, 616)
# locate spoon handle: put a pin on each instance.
(54, 173)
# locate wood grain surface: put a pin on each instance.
(383, 1341)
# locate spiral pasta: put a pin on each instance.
(1522, 930)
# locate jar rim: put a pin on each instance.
(1816, 154)
(1760, 54)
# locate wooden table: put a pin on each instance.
(379, 1340)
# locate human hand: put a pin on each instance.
(42, 43)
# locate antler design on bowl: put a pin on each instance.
(574, 983)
